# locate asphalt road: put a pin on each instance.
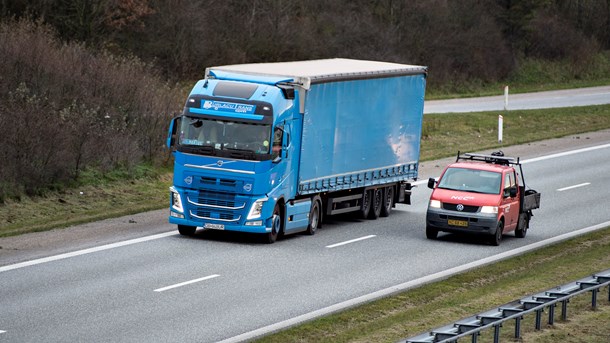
(135, 279)
(217, 286)
(550, 99)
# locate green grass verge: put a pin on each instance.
(443, 134)
(433, 305)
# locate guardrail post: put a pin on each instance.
(564, 310)
(551, 314)
(518, 327)
(497, 333)
(594, 298)
(539, 319)
(475, 337)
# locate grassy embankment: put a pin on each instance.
(117, 194)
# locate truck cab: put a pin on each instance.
(482, 195)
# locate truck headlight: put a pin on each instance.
(257, 208)
(175, 200)
(489, 209)
(435, 204)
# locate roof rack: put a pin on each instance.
(495, 157)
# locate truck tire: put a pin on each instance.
(522, 226)
(388, 201)
(315, 216)
(186, 230)
(276, 226)
(431, 233)
(376, 203)
(366, 204)
(497, 236)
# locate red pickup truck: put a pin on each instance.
(481, 194)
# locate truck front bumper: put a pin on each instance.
(251, 227)
(461, 222)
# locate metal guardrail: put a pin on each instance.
(515, 310)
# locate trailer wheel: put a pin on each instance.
(314, 217)
(186, 230)
(522, 226)
(276, 226)
(366, 205)
(388, 201)
(497, 237)
(376, 204)
(431, 233)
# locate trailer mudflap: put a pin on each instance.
(404, 194)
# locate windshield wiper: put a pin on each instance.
(240, 152)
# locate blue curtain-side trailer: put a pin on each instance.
(272, 148)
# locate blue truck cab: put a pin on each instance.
(271, 148)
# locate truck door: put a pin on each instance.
(510, 205)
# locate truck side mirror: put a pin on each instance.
(171, 136)
(431, 183)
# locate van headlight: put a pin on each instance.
(175, 200)
(257, 208)
(435, 204)
(489, 209)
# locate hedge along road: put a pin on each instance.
(548, 99)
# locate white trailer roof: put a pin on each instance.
(326, 70)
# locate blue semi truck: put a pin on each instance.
(272, 148)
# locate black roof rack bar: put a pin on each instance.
(497, 159)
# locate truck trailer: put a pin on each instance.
(272, 148)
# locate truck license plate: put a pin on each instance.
(214, 226)
(454, 222)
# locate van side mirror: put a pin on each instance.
(513, 191)
(431, 183)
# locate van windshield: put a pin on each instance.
(471, 180)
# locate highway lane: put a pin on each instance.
(217, 285)
(548, 99)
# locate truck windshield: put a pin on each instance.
(471, 180)
(209, 136)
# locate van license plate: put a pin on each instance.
(214, 226)
(454, 222)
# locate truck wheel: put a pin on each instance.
(314, 217)
(366, 205)
(276, 226)
(388, 201)
(186, 230)
(497, 237)
(522, 226)
(376, 204)
(431, 233)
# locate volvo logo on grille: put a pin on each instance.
(460, 207)
(219, 163)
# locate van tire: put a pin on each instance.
(496, 239)
(431, 232)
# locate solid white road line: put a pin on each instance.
(572, 187)
(350, 241)
(86, 251)
(186, 283)
(1, 331)
(248, 336)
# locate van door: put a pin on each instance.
(510, 205)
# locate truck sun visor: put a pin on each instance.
(235, 90)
